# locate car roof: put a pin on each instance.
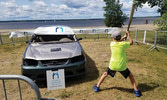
(53, 30)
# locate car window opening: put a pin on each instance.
(53, 38)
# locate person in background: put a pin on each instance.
(146, 21)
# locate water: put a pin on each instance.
(71, 23)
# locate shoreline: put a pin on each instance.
(132, 27)
(143, 27)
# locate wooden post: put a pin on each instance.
(1, 39)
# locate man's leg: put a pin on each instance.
(102, 79)
(133, 81)
(97, 86)
(136, 90)
(105, 74)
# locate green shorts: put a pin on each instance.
(124, 73)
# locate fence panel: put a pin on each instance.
(17, 90)
(5, 38)
(140, 35)
(150, 36)
(92, 33)
(103, 33)
(158, 39)
(162, 39)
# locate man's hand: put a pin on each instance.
(127, 33)
(130, 38)
(124, 37)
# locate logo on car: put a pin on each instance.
(59, 29)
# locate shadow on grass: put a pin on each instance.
(119, 88)
(144, 87)
(91, 73)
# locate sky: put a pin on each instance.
(64, 9)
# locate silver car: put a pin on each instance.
(53, 48)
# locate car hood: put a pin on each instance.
(53, 51)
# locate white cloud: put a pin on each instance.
(75, 3)
(8, 9)
(146, 10)
(40, 4)
(26, 8)
(63, 9)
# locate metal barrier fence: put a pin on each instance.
(25, 36)
(18, 78)
(95, 33)
(157, 39)
(6, 39)
(17, 86)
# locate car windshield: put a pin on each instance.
(53, 38)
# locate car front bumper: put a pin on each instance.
(39, 72)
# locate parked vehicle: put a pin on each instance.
(53, 48)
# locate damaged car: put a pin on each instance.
(53, 48)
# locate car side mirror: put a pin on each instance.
(27, 41)
(79, 39)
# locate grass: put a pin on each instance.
(148, 68)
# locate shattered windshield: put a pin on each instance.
(53, 38)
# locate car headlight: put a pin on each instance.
(77, 59)
(30, 62)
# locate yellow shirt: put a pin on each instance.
(118, 55)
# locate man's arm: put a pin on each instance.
(123, 38)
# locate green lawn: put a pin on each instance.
(148, 68)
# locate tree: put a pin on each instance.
(163, 7)
(162, 4)
(114, 16)
(162, 22)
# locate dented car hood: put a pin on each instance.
(38, 51)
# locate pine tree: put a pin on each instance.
(114, 16)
